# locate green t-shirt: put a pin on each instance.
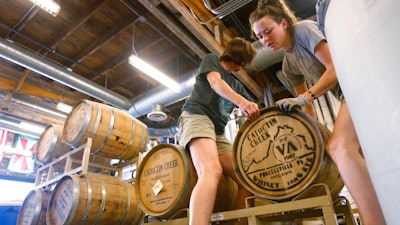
(205, 101)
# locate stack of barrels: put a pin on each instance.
(93, 198)
(277, 157)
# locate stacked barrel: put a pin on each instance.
(276, 157)
(95, 197)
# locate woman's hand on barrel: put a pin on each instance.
(250, 110)
(287, 104)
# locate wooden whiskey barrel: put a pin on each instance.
(280, 155)
(34, 207)
(115, 134)
(50, 145)
(93, 199)
(166, 178)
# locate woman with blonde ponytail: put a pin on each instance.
(307, 58)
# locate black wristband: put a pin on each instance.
(312, 94)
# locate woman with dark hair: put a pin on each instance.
(307, 58)
(204, 117)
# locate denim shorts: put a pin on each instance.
(200, 126)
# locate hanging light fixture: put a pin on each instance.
(50, 6)
(148, 69)
(152, 72)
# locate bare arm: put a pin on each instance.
(328, 79)
(250, 109)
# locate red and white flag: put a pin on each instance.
(23, 163)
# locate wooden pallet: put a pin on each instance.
(294, 211)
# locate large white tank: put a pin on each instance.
(364, 39)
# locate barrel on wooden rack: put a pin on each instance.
(34, 207)
(166, 178)
(115, 134)
(93, 199)
(280, 155)
(50, 144)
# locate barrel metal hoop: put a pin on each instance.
(88, 203)
(130, 141)
(188, 166)
(128, 204)
(96, 124)
(53, 144)
(137, 215)
(85, 124)
(38, 207)
(76, 195)
(109, 131)
(143, 140)
(103, 199)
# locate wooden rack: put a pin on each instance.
(72, 163)
(295, 211)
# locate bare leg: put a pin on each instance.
(209, 171)
(344, 149)
(226, 160)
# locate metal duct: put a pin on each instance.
(265, 57)
(16, 129)
(12, 123)
(47, 68)
(42, 107)
(164, 132)
(143, 104)
(137, 107)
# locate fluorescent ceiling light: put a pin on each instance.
(64, 107)
(50, 6)
(154, 73)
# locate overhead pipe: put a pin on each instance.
(12, 123)
(169, 131)
(42, 107)
(49, 69)
(265, 57)
(137, 107)
(143, 104)
(16, 129)
(165, 35)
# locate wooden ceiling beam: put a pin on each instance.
(25, 20)
(122, 59)
(78, 22)
(173, 27)
(109, 36)
(27, 89)
(18, 85)
(30, 113)
(209, 41)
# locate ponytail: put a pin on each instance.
(277, 10)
